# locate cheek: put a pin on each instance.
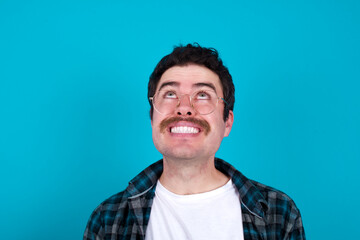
(217, 127)
(155, 125)
(156, 136)
(156, 120)
(155, 128)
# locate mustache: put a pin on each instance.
(202, 123)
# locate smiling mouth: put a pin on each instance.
(184, 129)
(193, 125)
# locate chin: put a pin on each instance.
(184, 154)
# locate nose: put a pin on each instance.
(184, 107)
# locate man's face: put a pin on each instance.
(184, 133)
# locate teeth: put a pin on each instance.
(184, 130)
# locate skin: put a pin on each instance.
(189, 158)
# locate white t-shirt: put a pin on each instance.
(211, 215)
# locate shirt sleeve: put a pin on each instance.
(95, 227)
(297, 232)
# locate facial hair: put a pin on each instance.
(202, 123)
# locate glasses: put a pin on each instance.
(203, 102)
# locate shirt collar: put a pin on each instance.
(250, 195)
(145, 180)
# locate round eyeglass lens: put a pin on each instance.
(203, 102)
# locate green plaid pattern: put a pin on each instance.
(266, 212)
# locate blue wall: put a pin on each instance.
(74, 124)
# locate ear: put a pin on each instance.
(228, 123)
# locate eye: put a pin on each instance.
(170, 94)
(203, 96)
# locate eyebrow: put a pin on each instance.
(210, 85)
(176, 84)
(197, 85)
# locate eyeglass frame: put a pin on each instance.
(179, 96)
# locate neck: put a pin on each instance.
(191, 176)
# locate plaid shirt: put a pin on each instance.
(266, 212)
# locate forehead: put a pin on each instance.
(189, 76)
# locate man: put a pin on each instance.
(190, 194)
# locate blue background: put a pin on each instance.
(75, 127)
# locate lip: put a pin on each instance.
(167, 124)
(184, 124)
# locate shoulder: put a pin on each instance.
(104, 215)
(114, 204)
(277, 200)
(281, 212)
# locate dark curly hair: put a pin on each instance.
(194, 53)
